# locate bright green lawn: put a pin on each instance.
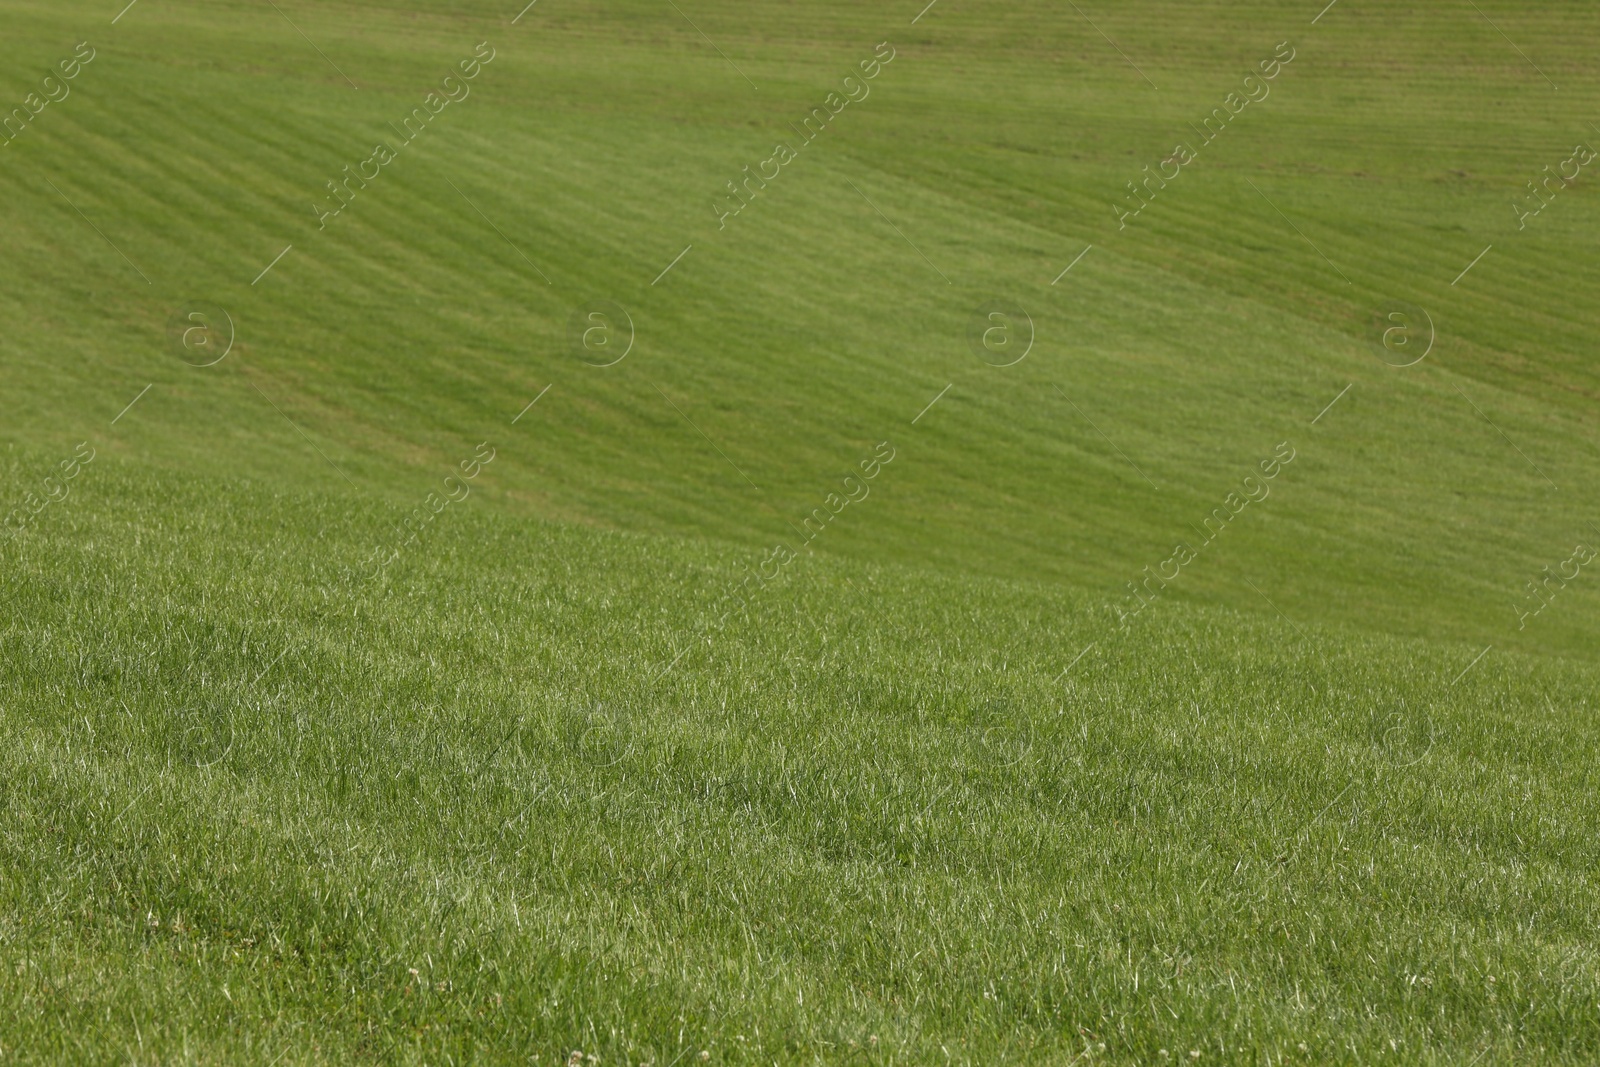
(245, 799)
(1318, 793)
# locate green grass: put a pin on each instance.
(251, 797)
(930, 798)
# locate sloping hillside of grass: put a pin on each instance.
(818, 681)
(823, 317)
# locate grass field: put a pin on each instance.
(394, 672)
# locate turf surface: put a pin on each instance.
(354, 708)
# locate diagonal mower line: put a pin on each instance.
(709, 441)
(1513, 44)
(1113, 44)
(897, 229)
(1502, 433)
(1108, 440)
(98, 230)
(1298, 230)
(499, 231)
(302, 433)
(713, 44)
(313, 44)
